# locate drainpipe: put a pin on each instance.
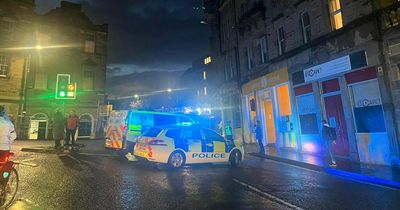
(22, 106)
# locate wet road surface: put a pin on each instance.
(100, 179)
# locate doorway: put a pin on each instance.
(270, 123)
(85, 126)
(335, 117)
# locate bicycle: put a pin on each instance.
(9, 180)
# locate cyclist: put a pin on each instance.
(7, 132)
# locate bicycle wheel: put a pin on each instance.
(11, 188)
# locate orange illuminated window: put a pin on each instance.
(336, 14)
(284, 100)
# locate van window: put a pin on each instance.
(152, 132)
(173, 133)
(185, 120)
(212, 136)
(162, 120)
(134, 119)
(147, 119)
(191, 133)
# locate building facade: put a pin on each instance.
(17, 22)
(63, 41)
(305, 61)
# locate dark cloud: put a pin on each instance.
(148, 33)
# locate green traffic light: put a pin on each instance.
(62, 93)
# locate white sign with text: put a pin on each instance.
(327, 69)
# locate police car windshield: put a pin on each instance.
(152, 132)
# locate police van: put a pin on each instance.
(180, 145)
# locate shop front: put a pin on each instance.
(268, 99)
(346, 93)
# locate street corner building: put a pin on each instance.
(35, 49)
(297, 63)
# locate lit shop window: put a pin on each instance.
(307, 114)
(204, 75)
(336, 14)
(367, 107)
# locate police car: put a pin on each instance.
(180, 145)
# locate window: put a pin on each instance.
(306, 26)
(88, 80)
(226, 69)
(41, 80)
(152, 132)
(204, 75)
(231, 66)
(250, 62)
(264, 49)
(367, 107)
(211, 136)
(4, 65)
(6, 30)
(173, 133)
(89, 47)
(336, 14)
(307, 114)
(205, 91)
(281, 41)
(161, 120)
(207, 60)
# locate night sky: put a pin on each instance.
(147, 35)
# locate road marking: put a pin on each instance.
(73, 158)
(103, 155)
(269, 196)
(26, 164)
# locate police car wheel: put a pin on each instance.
(235, 158)
(176, 160)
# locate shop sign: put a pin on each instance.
(327, 69)
(269, 80)
(368, 102)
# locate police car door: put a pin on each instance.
(216, 146)
(193, 138)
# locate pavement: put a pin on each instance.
(374, 174)
(96, 178)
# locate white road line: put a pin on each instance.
(103, 155)
(269, 196)
(26, 164)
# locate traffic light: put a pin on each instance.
(64, 89)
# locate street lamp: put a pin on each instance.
(136, 96)
(169, 90)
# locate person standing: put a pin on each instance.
(58, 128)
(7, 132)
(228, 131)
(259, 137)
(72, 126)
(329, 136)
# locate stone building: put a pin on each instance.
(68, 43)
(308, 60)
(17, 21)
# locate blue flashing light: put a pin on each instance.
(5, 175)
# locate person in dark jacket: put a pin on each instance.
(329, 136)
(259, 136)
(58, 128)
